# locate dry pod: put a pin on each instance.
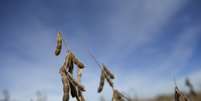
(73, 60)
(101, 83)
(108, 72)
(59, 44)
(65, 82)
(69, 62)
(120, 94)
(79, 74)
(80, 87)
(105, 74)
(78, 99)
(76, 88)
(78, 63)
(80, 96)
(109, 80)
(117, 96)
(73, 90)
(66, 89)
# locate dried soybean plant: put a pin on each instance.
(70, 85)
(179, 96)
(190, 86)
(107, 75)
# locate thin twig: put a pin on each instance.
(94, 58)
(66, 45)
(99, 65)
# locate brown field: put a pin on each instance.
(168, 98)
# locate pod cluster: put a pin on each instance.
(70, 85)
(105, 75)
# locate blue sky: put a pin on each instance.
(146, 43)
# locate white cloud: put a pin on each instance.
(136, 24)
